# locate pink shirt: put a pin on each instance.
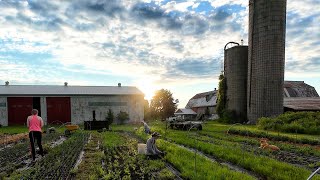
(35, 123)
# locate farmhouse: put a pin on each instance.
(203, 103)
(75, 104)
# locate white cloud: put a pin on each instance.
(177, 6)
(144, 47)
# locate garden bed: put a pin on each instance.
(123, 162)
(18, 156)
(58, 162)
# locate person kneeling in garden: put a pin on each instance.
(152, 151)
(146, 127)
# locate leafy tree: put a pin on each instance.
(122, 117)
(162, 104)
(147, 113)
(110, 117)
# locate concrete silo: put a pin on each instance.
(267, 28)
(236, 73)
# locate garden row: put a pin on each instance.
(194, 166)
(113, 155)
(14, 157)
(302, 156)
(58, 163)
(237, 154)
(261, 134)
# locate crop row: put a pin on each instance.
(58, 162)
(195, 166)
(12, 157)
(308, 151)
(260, 134)
(292, 156)
(234, 153)
(122, 161)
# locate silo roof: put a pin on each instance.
(54, 90)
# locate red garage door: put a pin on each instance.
(19, 108)
(58, 110)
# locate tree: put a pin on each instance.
(162, 104)
(146, 110)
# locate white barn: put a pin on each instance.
(74, 104)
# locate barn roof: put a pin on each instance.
(298, 89)
(302, 103)
(203, 100)
(54, 90)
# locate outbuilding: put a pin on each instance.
(74, 104)
(203, 103)
(185, 114)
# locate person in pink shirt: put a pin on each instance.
(35, 123)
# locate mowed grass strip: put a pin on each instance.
(90, 166)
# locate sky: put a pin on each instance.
(150, 44)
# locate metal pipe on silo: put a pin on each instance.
(267, 27)
(236, 73)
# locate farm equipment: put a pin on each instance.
(70, 128)
(176, 123)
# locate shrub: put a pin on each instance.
(110, 117)
(231, 117)
(293, 122)
(122, 117)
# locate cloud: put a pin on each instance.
(168, 41)
(193, 69)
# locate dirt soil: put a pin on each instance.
(7, 139)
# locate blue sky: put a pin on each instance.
(151, 44)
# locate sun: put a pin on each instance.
(148, 88)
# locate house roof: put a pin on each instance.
(184, 111)
(203, 100)
(298, 89)
(51, 90)
(302, 103)
(204, 94)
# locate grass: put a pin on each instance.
(112, 139)
(90, 167)
(24, 129)
(13, 129)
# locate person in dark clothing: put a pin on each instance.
(35, 123)
(151, 149)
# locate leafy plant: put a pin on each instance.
(122, 117)
(221, 104)
(293, 122)
(110, 117)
